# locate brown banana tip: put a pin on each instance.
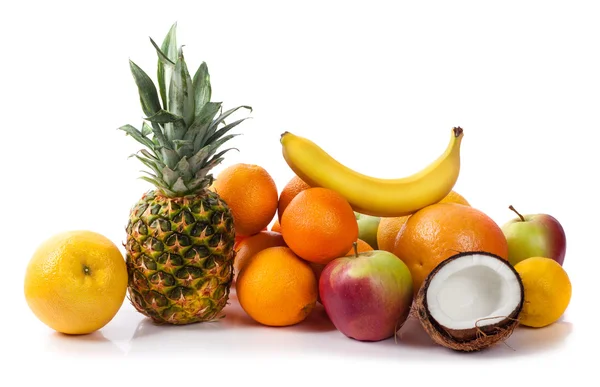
(457, 131)
(283, 134)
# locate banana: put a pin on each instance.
(370, 195)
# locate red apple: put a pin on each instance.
(367, 296)
(534, 235)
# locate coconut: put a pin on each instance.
(470, 301)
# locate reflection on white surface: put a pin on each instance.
(131, 334)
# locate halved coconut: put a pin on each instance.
(470, 301)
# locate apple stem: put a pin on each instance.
(355, 245)
(516, 212)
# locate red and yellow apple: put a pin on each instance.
(367, 296)
(534, 235)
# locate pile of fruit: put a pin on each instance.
(372, 251)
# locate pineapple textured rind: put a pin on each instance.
(180, 257)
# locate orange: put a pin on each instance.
(251, 194)
(455, 197)
(319, 225)
(361, 246)
(76, 282)
(291, 189)
(240, 238)
(388, 231)
(389, 228)
(441, 230)
(253, 244)
(277, 288)
(276, 226)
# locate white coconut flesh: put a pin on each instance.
(466, 292)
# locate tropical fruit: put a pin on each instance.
(547, 291)
(76, 281)
(291, 189)
(180, 235)
(470, 301)
(372, 196)
(441, 230)
(388, 229)
(319, 225)
(251, 194)
(253, 244)
(277, 288)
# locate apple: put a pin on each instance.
(367, 228)
(534, 235)
(367, 296)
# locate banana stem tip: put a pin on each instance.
(457, 131)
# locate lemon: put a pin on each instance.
(547, 291)
(76, 281)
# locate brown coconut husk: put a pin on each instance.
(466, 340)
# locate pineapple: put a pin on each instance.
(180, 234)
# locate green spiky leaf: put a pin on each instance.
(218, 155)
(229, 112)
(169, 175)
(209, 149)
(183, 167)
(181, 143)
(153, 180)
(181, 92)
(179, 186)
(149, 155)
(163, 117)
(169, 49)
(202, 88)
(137, 135)
(150, 164)
(170, 157)
(180, 134)
(197, 132)
(146, 129)
(219, 133)
(162, 57)
(146, 89)
(159, 139)
(212, 129)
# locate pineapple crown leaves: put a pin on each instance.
(183, 130)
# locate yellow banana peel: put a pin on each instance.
(370, 195)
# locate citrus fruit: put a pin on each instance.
(239, 238)
(361, 247)
(388, 229)
(251, 194)
(455, 197)
(76, 282)
(277, 288)
(276, 227)
(319, 225)
(441, 230)
(547, 291)
(253, 244)
(291, 189)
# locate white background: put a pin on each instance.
(377, 84)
